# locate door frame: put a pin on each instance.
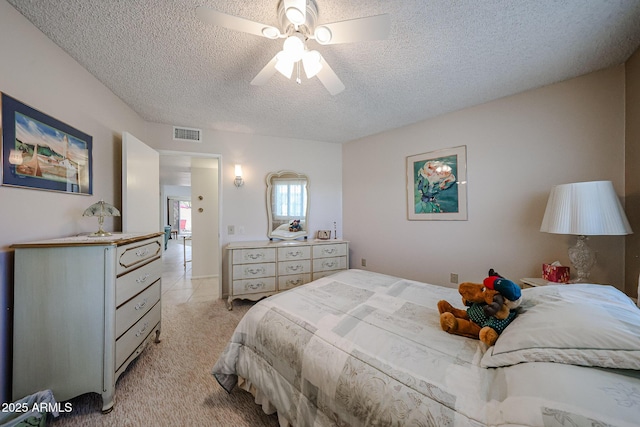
(210, 156)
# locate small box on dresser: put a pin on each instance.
(83, 310)
(255, 270)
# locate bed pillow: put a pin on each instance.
(579, 324)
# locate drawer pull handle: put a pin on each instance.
(292, 282)
(255, 256)
(295, 267)
(294, 254)
(329, 264)
(142, 252)
(144, 328)
(141, 305)
(329, 251)
(255, 271)
(143, 279)
(255, 286)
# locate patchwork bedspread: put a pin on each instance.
(360, 348)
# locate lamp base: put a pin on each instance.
(582, 258)
(100, 233)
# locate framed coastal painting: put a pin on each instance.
(437, 185)
(40, 152)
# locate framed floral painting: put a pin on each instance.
(437, 185)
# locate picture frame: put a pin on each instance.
(437, 185)
(324, 234)
(40, 152)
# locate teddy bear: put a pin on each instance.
(487, 314)
(295, 225)
(509, 290)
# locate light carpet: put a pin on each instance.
(170, 384)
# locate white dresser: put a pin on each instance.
(83, 310)
(258, 269)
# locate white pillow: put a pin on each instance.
(580, 324)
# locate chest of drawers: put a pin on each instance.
(258, 269)
(83, 310)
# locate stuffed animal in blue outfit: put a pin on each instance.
(488, 312)
(509, 290)
(295, 225)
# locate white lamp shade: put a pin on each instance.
(585, 209)
(293, 47)
(238, 170)
(311, 63)
(284, 66)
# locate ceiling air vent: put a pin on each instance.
(187, 134)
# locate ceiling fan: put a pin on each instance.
(298, 26)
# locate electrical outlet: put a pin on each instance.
(231, 229)
(454, 278)
(363, 262)
(241, 229)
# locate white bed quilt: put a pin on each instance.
(360, 348)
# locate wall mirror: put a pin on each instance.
(287, 205)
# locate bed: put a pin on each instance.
(360, 348)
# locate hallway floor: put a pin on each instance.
(177, 285)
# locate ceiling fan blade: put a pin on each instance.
(329, 78)
(266, 73)
(213, 17)
(356, 30)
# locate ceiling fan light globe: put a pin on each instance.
(311, 63)
(293, 47)
(284, 67)
(322, 35)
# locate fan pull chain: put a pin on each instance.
(298, 80)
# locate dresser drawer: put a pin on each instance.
(135, 254)
(254, 255)
(254, 286)
(131, 339)
(135, 281)
(323, 251)
(329, 264)
(294, 267)
(291, 281)
(253, 271)
(132, 311)
(294, 252)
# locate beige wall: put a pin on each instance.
(259, 155)
(518, 148)
(38, 73)
(632, 171)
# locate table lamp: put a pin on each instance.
(101, 209)
(584, 209)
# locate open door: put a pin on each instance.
(140, 186)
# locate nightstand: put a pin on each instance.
(532, 282)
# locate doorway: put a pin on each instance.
(187, 182)
(179, 215)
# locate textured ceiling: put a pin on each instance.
(441, 56)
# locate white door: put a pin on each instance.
(140, 186)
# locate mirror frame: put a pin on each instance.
(286, 174)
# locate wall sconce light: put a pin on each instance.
(239, 182)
